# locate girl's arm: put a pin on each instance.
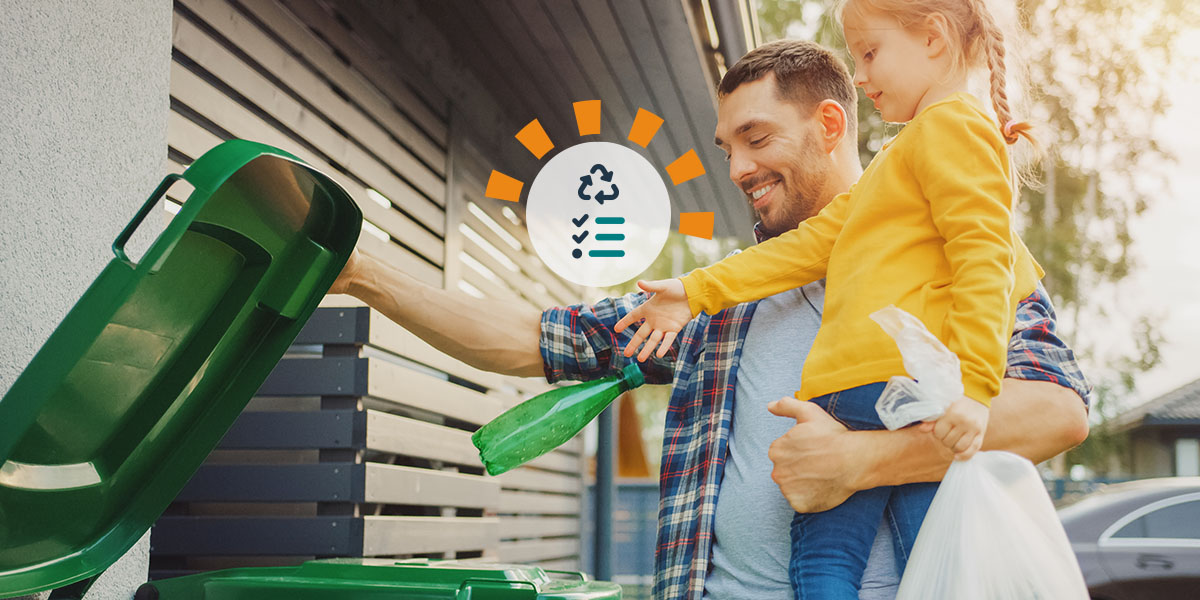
(790, 260)
(961, 162)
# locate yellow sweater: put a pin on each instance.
(928, 228)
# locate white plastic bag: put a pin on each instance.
(991, 532)
(938, 378)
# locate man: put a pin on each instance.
(723, 525)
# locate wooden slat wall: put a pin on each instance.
(539, 505)
(540, 57)
(312, 78)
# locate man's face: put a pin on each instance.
(774, 154)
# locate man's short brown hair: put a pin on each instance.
(805, 73)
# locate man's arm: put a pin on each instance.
(819, 463)
(490, 335)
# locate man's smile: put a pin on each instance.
(758, 195)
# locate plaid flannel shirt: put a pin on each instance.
(578, 343)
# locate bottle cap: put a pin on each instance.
(632, 374)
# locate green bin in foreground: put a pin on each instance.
(381, 579)
(153, 364)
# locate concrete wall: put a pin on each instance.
(83, 116)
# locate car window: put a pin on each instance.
(1176, 521)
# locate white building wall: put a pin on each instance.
(83, 116)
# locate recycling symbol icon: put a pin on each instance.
(585, 182)
(604, 243)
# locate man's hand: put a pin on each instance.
(961, 428)
(814, 460)
(492, 335)
(341, 285)
(819, 463)
(665, 314)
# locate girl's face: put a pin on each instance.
(896, 67)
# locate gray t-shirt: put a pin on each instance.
(752, 544)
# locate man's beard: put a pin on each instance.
(801, 192)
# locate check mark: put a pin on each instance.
(580, 221)
(579, 238)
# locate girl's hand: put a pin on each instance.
(665, 314)
(961, 428)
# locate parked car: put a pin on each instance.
(1139, 540)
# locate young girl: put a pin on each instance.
(928, 228)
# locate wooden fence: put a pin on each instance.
(358, 444)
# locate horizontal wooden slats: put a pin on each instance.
(193, 140)
(321, 535)
(212, 57)
(243, 536)
(400, 258)
(338, 325)
(528, 261)
(516, 280)
(385, 536)
(381, 378)
(313, 88)
(428, 144)
(391, 72)
(295, 430)
(373, 430)
(340, 482)
(389, 484)
(540, 481)
(536, 527)
(327, 482)
(419, 390)
(232, 116)
(512, 502)
(388, 335)
(493, 289)
(557, 461)
(527, 551)
(231, 456)
(400, 435)
(188, 137)
(410, 437)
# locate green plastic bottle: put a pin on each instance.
(546, 421)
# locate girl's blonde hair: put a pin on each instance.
(980, 41)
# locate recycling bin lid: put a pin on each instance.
(379, 579)
(159, 356)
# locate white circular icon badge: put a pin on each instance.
(598, 214)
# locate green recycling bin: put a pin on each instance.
(380, 579)
(156, 360)
(153, 364)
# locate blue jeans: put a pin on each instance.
(830, 549)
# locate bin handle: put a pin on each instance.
(572, 574)
(118, 245)
(465, 588)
